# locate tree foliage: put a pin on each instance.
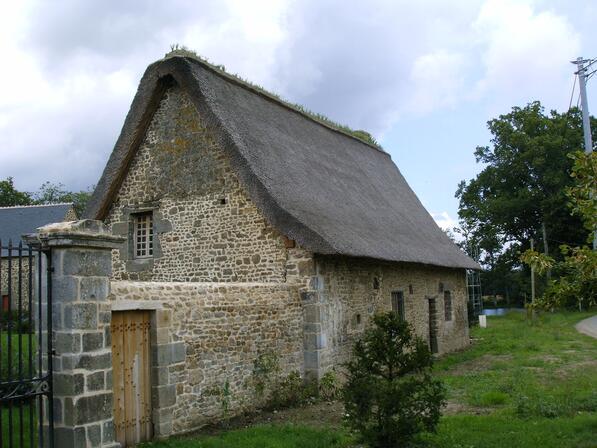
(10, 196)
(582, 195)
(390, 395)
(521, 188)
(48, 193)
(576, 284)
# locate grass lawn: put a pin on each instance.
(29, 432)
(5, 418)
(521, 384)
(265, 436)
(16, 342)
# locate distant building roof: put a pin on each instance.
(19, 220)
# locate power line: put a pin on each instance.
(571, 97)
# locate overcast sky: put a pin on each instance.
(422, 76)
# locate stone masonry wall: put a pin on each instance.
(71, 215)
(207, 334)
(349, 300)
(14, 279)
(207, 228)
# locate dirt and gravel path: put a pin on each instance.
(588, 326)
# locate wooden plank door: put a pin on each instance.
(131, 381)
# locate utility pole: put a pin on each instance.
(582, 83)
(583, 75)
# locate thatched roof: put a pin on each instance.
(326, 189)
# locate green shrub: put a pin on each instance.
(329, 388)
(224, 395)
(286, 392)
(275, 390)
(11, 320)
(266, 370)
(390, 395)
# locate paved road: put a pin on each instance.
(588, 326)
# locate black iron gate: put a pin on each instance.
(26, 414)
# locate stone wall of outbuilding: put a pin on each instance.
(349, 291)
(207, 335)
(17, 268)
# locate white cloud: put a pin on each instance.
(438, 79)
(525, 54)
(444, 220)
(63, 100)
(72, 67)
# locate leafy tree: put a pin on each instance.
(390, 395)
(576, 286)
(10, 196)
(50, 193)
(520, 192)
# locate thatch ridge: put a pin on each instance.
(317, 118)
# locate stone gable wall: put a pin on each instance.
(207, 229)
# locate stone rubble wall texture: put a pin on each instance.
(346, 290)
(14, 279)
(207, 334)
(227, 288)
(181, 170)
(71, 215)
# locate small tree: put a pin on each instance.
(390, 395)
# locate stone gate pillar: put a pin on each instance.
(80, 282)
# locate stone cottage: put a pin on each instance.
(252, 228)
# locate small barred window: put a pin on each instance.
(143, 234)
(448, 305)
(398, 304)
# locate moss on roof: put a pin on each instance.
(176, 50)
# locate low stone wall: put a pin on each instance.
(207, 335)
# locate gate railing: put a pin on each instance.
(26, 409)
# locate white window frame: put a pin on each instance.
(143, 235)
